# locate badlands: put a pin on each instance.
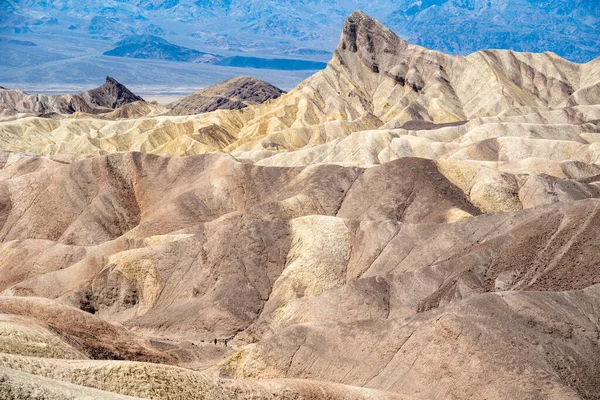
(405, 224)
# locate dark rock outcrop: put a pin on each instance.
(233, 94)
(112, 94)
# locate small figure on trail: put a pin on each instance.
(215, 341)
(225, 342)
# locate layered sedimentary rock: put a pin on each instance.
(206, 246)
(374, 81)
(233, 94)
(102, 99)
(403, 225)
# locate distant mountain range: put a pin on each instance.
(214, 40)
(568, 28)
(156, 48)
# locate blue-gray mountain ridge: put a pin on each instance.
(568, 28)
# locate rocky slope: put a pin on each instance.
(233, 94)
(102, 99)
(374, 81)
(306, 271)
(403, 225)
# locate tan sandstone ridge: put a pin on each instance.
(374, 81)
(403, 225)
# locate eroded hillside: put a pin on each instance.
(403, 225)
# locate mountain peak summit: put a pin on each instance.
(111, 94)
(234, 93)
(370, 40)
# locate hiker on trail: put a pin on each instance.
(215, 341)
(225, 342)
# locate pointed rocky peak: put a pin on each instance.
(110, 81)
(358, 20)
(111, 94)
(363, 33)
(368, 39)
